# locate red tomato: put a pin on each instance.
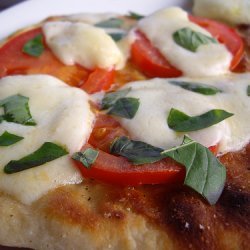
(99, 79)
(225, 35)
(13, 61)
(149, 60)
(117, 170)
(106, 129)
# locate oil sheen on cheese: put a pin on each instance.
(84, 44)
(158, 96)
(63, 116)
(210, 59)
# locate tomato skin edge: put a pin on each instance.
(117, 170)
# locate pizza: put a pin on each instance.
(125, 132)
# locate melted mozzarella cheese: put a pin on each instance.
(232, 11)
(90, 18)
(209, 59)
(158, 96)
(84, 44)
(63, 116)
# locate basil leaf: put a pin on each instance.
(181, 122)
(16, 109)
(125, 107)
(34, 47)
(135, 15)
(110, 23)
(191, 40)
(46, 153)
(116, 36)
(248, 90)
(204, 173)
(110, 98)
(87, 158)
(7, 139)
(197, 87)
(136, 151)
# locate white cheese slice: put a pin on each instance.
(84, 44)
(158, 96)
(63, 116)
(232, 11)
(90, 18)
(210, 59)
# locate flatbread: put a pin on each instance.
(94, 215)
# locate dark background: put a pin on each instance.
(7, 3)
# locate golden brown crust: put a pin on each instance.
(100, 216)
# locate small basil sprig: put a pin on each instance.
(116, 36)
(191, 40)
(110, 98)
(7, 139)
(135, 16)
(136, 151)
(16, 109)
(34, 47)
(181, 122)
(87, 158)
(46, 153)
(248, 90)
(125, 107)
(204, 173)
(110, 23)
(197, 87)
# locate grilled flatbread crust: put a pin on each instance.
(93, 215)
(98, 216)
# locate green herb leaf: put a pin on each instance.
(135, 15)
(136, 151)
(46, 153)
(34, 47)
(204, 173)
(16, 109)
(110, 98)
(116, 36)
(191, 40)
(125, 107)
(87, 158)
(197, 87)
(110, 23)
(7, 139)
(248, 90)
(181, 122)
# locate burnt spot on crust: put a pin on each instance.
(235, 206)
(188, 215)
(182, 214)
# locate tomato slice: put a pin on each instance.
(13, 61)
(152, 63)
(117, 170)
(99, 79)
(105, 130)
(224, 34)
(149, 60)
